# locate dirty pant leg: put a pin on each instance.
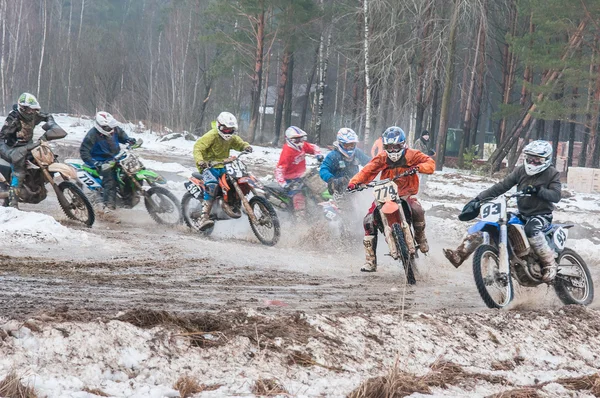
(469, 244)
(109, 186)
(372, 223)
(417, 212)
(299, 201)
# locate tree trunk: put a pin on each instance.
(289, 88)
(306, 101)
(549, 79)
(509, 62)
(592, 157)
(367, 134)
(448, 83)
(39, 80)
(281, 94)
(468, 115)
(321, 90)
(572, 126)
(588, 116)
(2, 81)
(257, 75)
(424, 58)
(556, 125)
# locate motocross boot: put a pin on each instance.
(370, 244)
(464, 250)
(420, 237)
(13, 197)
(546, 256)
(205, 221)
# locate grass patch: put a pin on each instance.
(95, 391)
(188, 386)
(517, 393)
(588, 383)
(268, 388)
(11, 387)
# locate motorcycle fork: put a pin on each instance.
(408, 236)
(61, 197)
(245, 203)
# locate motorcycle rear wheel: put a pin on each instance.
(192, 213)
(79, 208)
(408, 261)
(565, 290)
(267, 230)
(494, 289)
(168, 211)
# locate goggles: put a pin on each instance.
(298, 140)
(534, 160)
(226, 130)
(348, 146)
(29, 111)
(108, 129)
(394, 147)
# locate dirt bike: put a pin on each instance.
(160, 203)
(230, 197)
(314, 189)
(42, 169)
(396, 222)
(506, 255)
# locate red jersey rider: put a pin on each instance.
(292, 165)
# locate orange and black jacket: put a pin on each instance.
(408, 185)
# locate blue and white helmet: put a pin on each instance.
(394, 142)
(346, 142)
(538, 157)
(295, 137)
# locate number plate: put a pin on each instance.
(236, 169)
(493, 211)
(385, 192)
(88, 180)
(194, 189)
(560, 238)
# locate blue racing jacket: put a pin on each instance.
(97, 147)
(337, 165)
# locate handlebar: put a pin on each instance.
(226, 161)
(372, 184)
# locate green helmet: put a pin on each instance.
(28, 106)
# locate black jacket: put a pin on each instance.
(18, 131)
(547, 182)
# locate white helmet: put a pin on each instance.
(295, 137)
(538, 157)
(105, 123)
(28, 106)
(346, 142)
(226, 125)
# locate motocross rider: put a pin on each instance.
(98, 150)
(342, 163)
(212, 147)
(395, 159)
(16, 140)
(537, 178)
(292, 165)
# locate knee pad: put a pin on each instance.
(534, 226)
(370, 225)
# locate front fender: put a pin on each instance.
(485, 226)
(67, 172)
(150, 176)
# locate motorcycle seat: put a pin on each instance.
(197, 175)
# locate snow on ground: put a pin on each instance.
(29, 227)
(122, 360)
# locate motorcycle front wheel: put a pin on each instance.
(570, 289)
(495, 288)
(266, 228)
(76, 206)
(408, 262)
(192, 212)
(162, 206)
